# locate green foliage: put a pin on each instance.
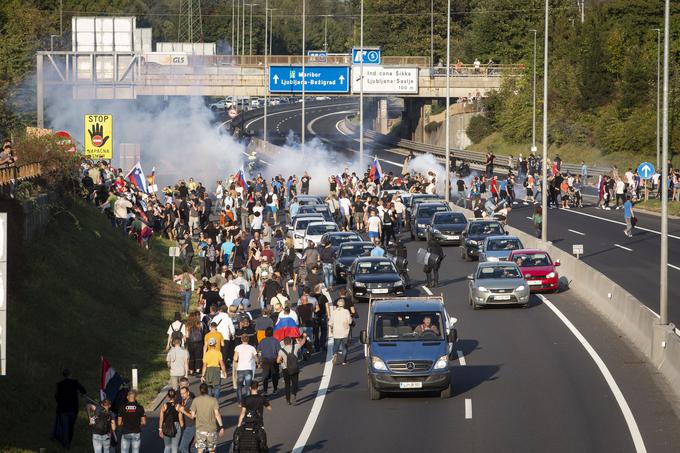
(479, 128)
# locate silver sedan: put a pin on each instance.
(498, 283)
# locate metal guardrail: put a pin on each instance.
(15, 173)
(476, 159)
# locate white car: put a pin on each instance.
(299, 227)
(317, 229)
(223, 104)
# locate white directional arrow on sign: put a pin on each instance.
(276, 79)
(341, 79)
(646, 171)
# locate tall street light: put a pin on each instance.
(266, 70)
(447, 178)
(243, 29)
(304, 37)
(658, 95)
(544, 165)
(361, 91)
(233, 10)
(250, 38)
(325, 33)
(431, 38)
(238, 27)
(663, 281)
(533, 123)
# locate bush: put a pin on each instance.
(479, 128)
(433, 126)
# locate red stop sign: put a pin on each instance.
(97, 140)
(65, 141)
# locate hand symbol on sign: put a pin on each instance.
(96, 135)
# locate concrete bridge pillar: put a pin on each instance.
(415, 116)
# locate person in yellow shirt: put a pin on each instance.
(213, 335)
(213, 367)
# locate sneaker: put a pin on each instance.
(344, 363)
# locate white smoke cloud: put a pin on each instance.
(426, 163)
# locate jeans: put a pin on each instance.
(629, 225)
(328, 274)
(186, 298)
(243, 380)
(187, 437)
(172, 443)
(340, 345)
(101, 443)
(270, 370)
(129, 443)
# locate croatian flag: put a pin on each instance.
(286, 327)
(375, 174)
(137, 179)
(110, 381)
(241, 178)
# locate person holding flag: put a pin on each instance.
(137, 179)
(375, 173)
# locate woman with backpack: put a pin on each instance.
(195, 342)
(168, 424)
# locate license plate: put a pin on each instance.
(534, 282)
(379, 291)
(501, 297)
(454, 237)
(410, 385)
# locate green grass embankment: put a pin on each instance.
(654, 205)
(85, 291)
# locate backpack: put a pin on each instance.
(102, 423)
(269, 198)
(186, 282)
(292, 365)
(177, 334)
(168, 427)
(196, 334)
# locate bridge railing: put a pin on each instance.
(13, 173)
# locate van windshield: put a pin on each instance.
(408, 326)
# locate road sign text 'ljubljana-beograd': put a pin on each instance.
(318, 79)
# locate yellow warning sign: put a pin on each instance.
(99, 136)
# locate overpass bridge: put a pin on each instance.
(128, 75)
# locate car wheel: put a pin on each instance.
(475, 305)
(373, 393)
(447, 392)
(527, 305)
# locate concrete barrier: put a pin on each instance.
(637, 323)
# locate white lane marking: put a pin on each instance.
(301, 441)
(461, 357)
(530, 218)
(311, 123)
(622, 247)
(620, 399)
(307, 109)
(468, 408)
(617, 222)
(337, 127)
(674, 267)
(427, 290)
(577, 232)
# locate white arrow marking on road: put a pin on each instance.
(276, 79)
(613, 386)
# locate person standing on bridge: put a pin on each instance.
(490, 157)
(304, 184)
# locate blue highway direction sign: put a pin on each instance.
(370, 56)
(645, 170)
(318, 79)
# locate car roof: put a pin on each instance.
(405, 304)
(375, 259)
(484, 221)
(321, 223)
(351, 243)
(342, 233)
(496, 264)
(530, 251)
(500, 236)
(319, 217)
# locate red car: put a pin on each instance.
(538, 269)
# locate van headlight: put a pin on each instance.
(482, 289)
(442, 362)
(378, 364)
(422, 225)
(550, 275)
(521, 288)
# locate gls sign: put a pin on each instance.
(182, 60)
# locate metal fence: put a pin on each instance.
(14, 173)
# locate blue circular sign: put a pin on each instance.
(372, 56)
(645, 170)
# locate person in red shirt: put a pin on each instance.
(494, 188)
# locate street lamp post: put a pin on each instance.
(447, 178)
(325, 33)
(663, 280)
(658, 95)
(233, 10)
(243, 29)
(238, 27)
(361, 91)
(250, 38)
(52, 42)
(266, 71)
(544, 164)
(533, 123)
(432, 38)
(304, 37)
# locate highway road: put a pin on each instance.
(550, 378)
(633, 263)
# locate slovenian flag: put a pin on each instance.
(286, 327)
(241, 178)
(375, 174)
(110, 382)
(137, 179)
(338, 180)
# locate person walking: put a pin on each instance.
(434, 261)
(187, 281)
(205, 411)
(339, 325)
(629, 216)
(195, 343)
(67, 408)
(131, 419)
(103, 425)
(213, 368)
(187, 423)
(268, 351)
(245, 358)
(537, 220)
(327, 258)
(168, 424)
(250, 436)
(288, 359)
(177, 359)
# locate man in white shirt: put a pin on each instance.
(272, 201)
(374, 226)
(229, 292)
(245, 357)
(345, 210)
(225, 325)
(178, 328)
(219, 194)
(400, 209)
